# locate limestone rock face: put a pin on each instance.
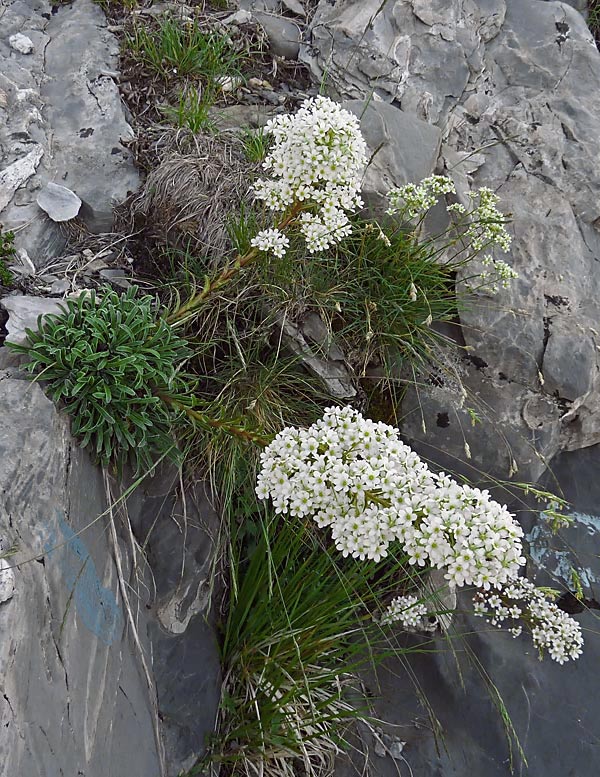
(60, 104)
(405, 147)
(507, 85)
(81, 690)
(72, 696)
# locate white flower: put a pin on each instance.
(499, 274)
(272, 241)
(482, 225)
(519, 603)
(317, 158)
(413, 200)
(357, 477)
(407, 610)
(487, 224)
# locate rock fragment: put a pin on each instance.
(295, 6)
(21, 43)
(284, 35)
(23, 313)
(60, 203)
(7, 581)
(15, 175)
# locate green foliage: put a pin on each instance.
(379, 292)
(255, 144)
(244, 376)
(107, 360)
(242, 227)
(386, 294)
(177, 49)
(299, 626)
(191, 111)
(7, 251)
(593, 18)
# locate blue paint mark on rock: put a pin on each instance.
(591, 522)
(96, 606)
(560, 562)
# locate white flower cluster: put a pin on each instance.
(271, 240)
(487, 223)
(316, 159)
(520, 602)
(500, 274)
(406, 610)
(356, 476)
(412, 200)
(481, 225)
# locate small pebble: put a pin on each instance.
(21, 43)
(60, 286)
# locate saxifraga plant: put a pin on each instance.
(106, 360)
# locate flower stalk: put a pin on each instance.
(212, 285)
(228, 426)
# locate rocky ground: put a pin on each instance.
(493, 93)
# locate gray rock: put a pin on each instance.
(60, 286)
(481, 423)
(284, 35)
(72, 687)
(570, 363)
(385, 745)
(402, 148)
(116, 276)
(84, 108)
(23, 196)
(60, 203)
(16, 174)
(479, 71)
(239, 17)
(179, 538)
(579, 5)
(295, 6)
(508, 84)
(21, 43)
(7, 580)
(540, 696)
(23, 313)
(259, 5)
(319, 355)
(65, 101)
(68, 593)
(238, 116)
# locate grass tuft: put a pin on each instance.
(593, 18)
(7, 252)
(191, 112)
(175, 48)
(298, 628)
(255, 143)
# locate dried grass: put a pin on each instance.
(197, 181)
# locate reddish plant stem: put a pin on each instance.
(227, 426)
(228, 273)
